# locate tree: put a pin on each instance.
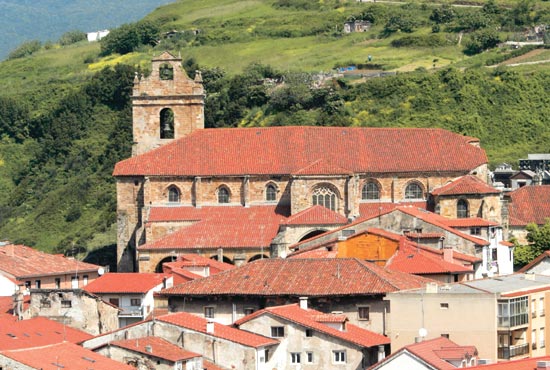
(481, 40)
(25, 49)
(444, 14)
(129, 37)
(539, 241)
(72, 37)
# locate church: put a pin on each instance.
(241, 194)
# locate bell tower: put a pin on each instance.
(166, 106)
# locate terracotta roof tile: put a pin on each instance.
(316, 215)
(300, 277)
(372, 209)
(430, 351)
(160, 348)
(523, 364)
(191, 260)
(64, 356)
(125, 282)
(310, 319)
(285, 150)
(35, 332)
(316, 252)
(196, 323)
(468, 184)
(529, 204)
(468, 222)
(21, 261)
(322, 166)
(228, 226)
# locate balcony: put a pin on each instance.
(130, 311)
(506, 353)
(513, 321)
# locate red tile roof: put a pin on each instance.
(20, 262)
(523, 364)
(159, 348)
(230, 227)
(323, 166)
(468, 222)
(300, 277)
(468, 184)
(434, 352)
(192, 260)
(196, 323)
(125, 283)
(317, 215)
(372, 209)
(286, 150)
(529, 204)
(64, 356)
(413, 236)
(316, 252)
(6, 305)
(313, 319)
(35, 332)
(412, 259)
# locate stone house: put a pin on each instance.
(222, 345)
(313, 340)
(131, 293)
(353, 287)
(183, 176)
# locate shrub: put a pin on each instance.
(25, 49)
(72, 37)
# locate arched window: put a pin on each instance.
(414, 191)
(324, 196)
(173, 195)
(166, 124)
(270, 193)
(462, 209)
(166, 72)
(223, 195)
(370, 191)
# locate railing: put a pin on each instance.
(130, 311)
(505, 353)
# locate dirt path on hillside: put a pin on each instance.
(521, 58)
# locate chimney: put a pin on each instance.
(303, 303)
(448, 253)
(381, 353)
(210, 327)
(148, 349)
(431, 288)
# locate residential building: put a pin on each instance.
(439, 353)
(132, 293)
(226, 193)
(193, 266)
(348, 285)
(314, 340)
(57, 356)
(225, 346)
(25, 267)
(506, 315)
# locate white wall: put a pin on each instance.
(402, 361)
(7, 287)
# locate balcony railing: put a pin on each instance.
(130, 311)
(505, 353)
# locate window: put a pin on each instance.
(209, 312)
(444, 306)
(248, 310)
(173, 195)
(223, 195)
(363, 313)
(45, 303)
(37, 284)
(135, 302)
(74, 282)
(114, 301)
(339, 357)
(166, 124)
(370, 191)
(533, 307)
(445, 335)
(541, 306)
(475, 230)
(277, 331)
(85, 279)
(414, 191)
(462, 209)
(534, 339)
(309, 357)
(325, 197)
(166, 72)
(309, 333)
(57, 283)
(542, 339)
(27, 284)
(270, 193)
(295, 358)
(66, 303)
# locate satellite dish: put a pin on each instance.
(100, 271)
(422, 333)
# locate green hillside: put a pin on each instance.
(65, 114)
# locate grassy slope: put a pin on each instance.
(46, 76)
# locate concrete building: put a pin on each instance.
(504, 317)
